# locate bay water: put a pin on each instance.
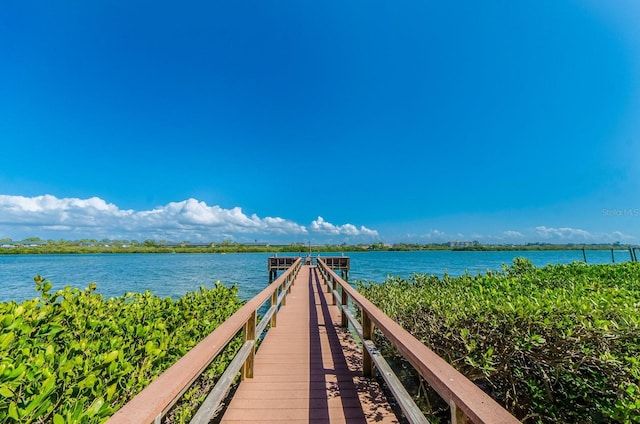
(174, 275)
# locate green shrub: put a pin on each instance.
(74, 356)
(554, 344)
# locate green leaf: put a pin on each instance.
(48, 385)
(6, 339)
(111, 390)
(16, 372)
(6, 392)
(7, 320)
(13, 411)
(95, 407)
(111, 357)
(57, 419)
(55, 329)
(89, 381)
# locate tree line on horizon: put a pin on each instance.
(37, 245)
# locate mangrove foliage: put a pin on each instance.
(560, 343)
(74, 356)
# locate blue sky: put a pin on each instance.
(504, 122)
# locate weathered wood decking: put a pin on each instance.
(308, 368)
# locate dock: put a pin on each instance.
(311, 359)
(307, 369)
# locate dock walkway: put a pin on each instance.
(308, 369)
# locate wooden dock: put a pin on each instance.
(308, 369)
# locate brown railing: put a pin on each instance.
(467, 402)
(153, 402)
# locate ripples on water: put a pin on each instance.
(175, 274)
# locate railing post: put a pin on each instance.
(249, 334)
(334, 287)
(274, 302)
(344, 302)
(283, 288)
(367, 334)
(457, 415)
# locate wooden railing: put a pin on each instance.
(467, 402)
(153, 402)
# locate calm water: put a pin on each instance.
(176, 274)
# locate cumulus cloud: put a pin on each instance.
(52, 217)
(564, 233)
(576, 235)
(512, 234)
(321, 226)
(192, 213)
(49, 211)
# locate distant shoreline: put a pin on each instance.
(52, 247)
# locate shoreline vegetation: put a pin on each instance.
(559, 343)
(35, 245)
(74, 356)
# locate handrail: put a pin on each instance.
(155, 400)
(466, 400)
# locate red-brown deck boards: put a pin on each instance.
(308, 368)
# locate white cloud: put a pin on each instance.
(321, 226)
(564, 233)
(435, 236)
(50, 211)
(576, 235)
(51, 217)
(621, 237)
